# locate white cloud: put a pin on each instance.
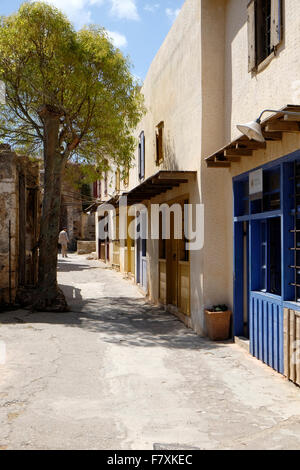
(151, 8)
(125, 9)
(76, 10)
(172, 14)
(118, 39)
(80, 14)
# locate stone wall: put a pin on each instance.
(19, 222)
(80, 225)
(9, 225)
(85, 247)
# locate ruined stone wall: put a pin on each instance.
(19, 223)
(88, 227)
(9, 196)
(71, 212)
(80, 225)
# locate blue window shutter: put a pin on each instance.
(140, 157)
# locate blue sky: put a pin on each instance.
(138, 27)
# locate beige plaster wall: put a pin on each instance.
(185, 88)
(277, 85)
(172, 91)
(215, 271)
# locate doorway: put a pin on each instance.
(172, 266)
(141, 250)
(174, 262)
(241, 280)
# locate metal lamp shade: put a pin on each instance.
(252, 130)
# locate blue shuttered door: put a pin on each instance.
(266, 330)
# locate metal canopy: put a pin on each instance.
(273, 128)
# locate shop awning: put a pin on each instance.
(157, 184)
(273, 129)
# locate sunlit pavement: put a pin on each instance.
(118, 373)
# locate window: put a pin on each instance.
(264, 30)
(159, 143)
(142, 156)
(295, 232)
(268, 201)
(116, 222)
(241, 200)
(105, 183)
(126, 176)
(95, 189)
(271, 195)
(271, 255)
(98, 190)
(117, 181)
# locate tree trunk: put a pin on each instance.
(49, 296)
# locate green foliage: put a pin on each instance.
(219, 308)
(44, 61)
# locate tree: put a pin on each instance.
(70, 94)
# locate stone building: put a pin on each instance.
(19, 223)
(75, 215)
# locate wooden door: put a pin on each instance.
(172, 266)
(130, 247)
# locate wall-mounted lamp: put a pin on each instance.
(253, 129)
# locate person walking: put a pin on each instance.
(63, 239)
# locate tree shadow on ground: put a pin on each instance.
(125, 321)
(65, 267)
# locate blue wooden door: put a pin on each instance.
(266, 305)
(266, 330)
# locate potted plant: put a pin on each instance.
(218, 322)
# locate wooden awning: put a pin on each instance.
(153, 186)
(273, 129)
(158, 184)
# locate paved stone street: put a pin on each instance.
(117, 373)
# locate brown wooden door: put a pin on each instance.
(172, 266)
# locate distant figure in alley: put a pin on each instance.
(63, 239)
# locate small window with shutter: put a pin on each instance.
(105, 183)
(142, 156)
(264, 30)
(117, 181)
(159, 143)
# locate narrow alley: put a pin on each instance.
(117, 372)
